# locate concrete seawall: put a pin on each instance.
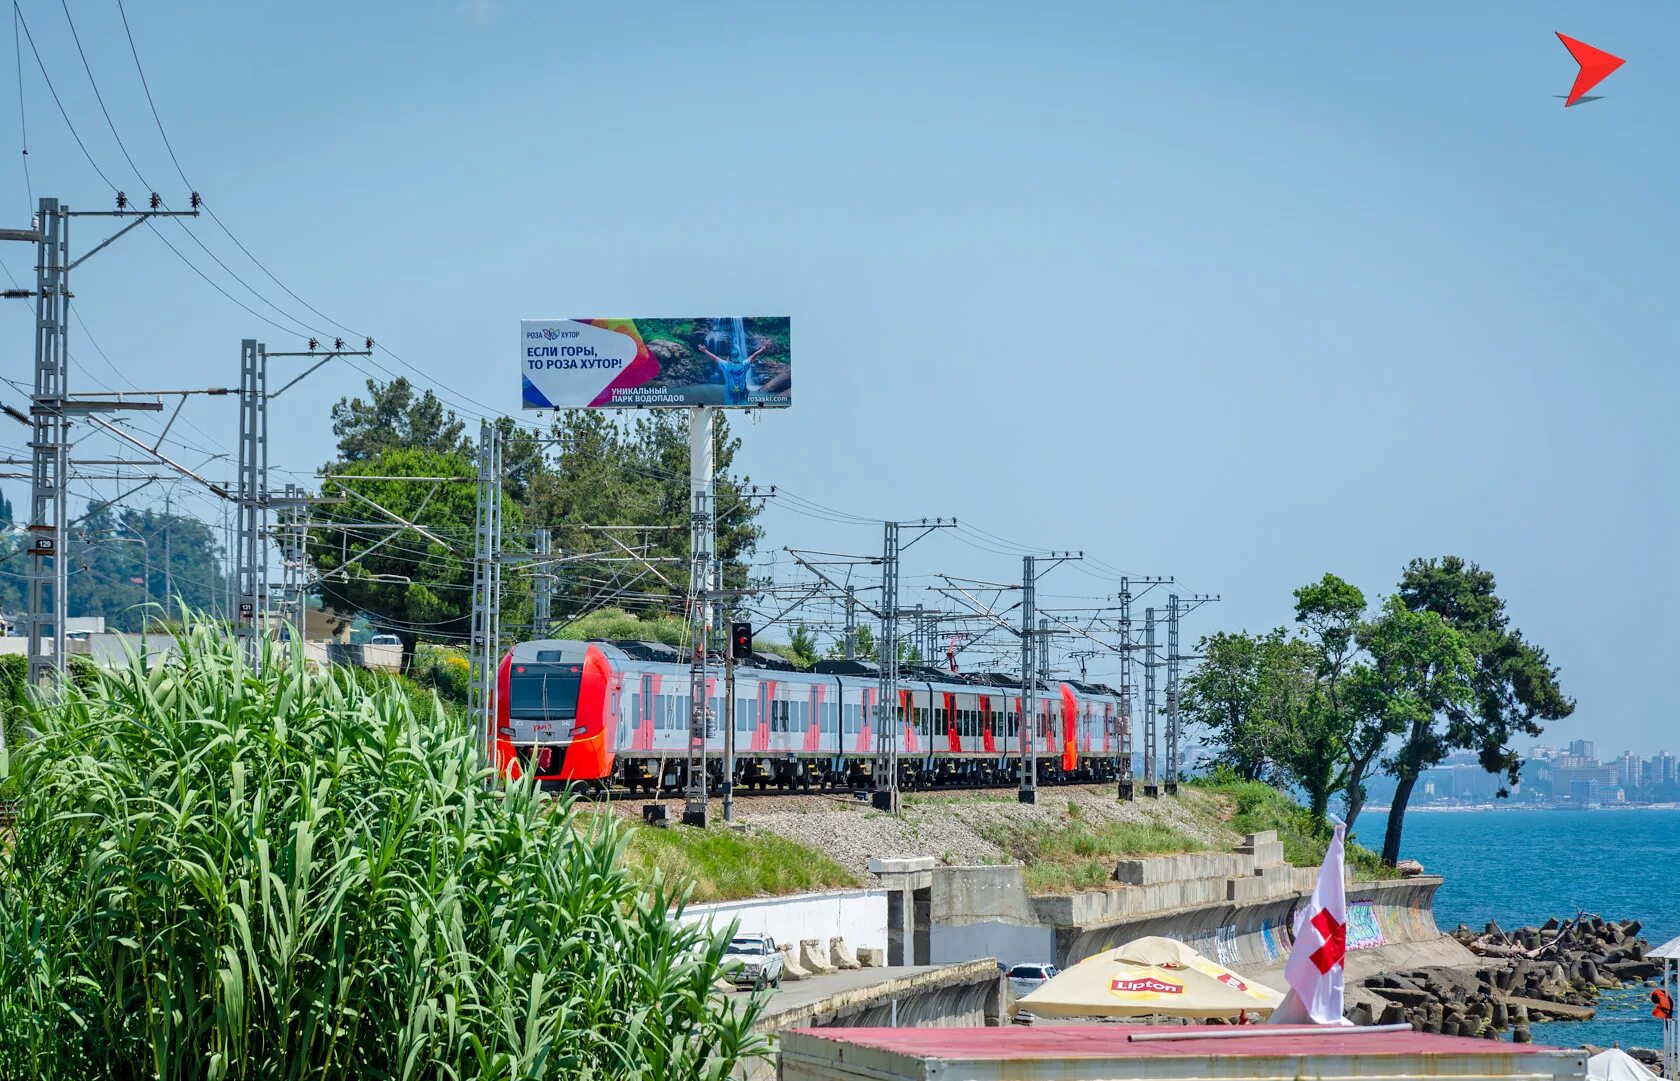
(1253, 935)
(1237, 908)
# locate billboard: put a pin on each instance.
(743, 361)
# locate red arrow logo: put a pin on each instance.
(1596, 64)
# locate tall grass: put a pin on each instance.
(220, 873)
(1079, 854)
(724, 865)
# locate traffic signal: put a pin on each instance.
(740, 640)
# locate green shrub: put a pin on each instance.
(1079, 854)
(217, 873)
(443, 669)
(1259, 806)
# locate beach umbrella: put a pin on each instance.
(1150, 976)
(1617, 1065)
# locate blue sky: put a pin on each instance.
(1239, 293)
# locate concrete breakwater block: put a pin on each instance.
(871, 957)
(791, 968)
(813, 955)
(841, 954)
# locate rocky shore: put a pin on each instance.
(1549, 973)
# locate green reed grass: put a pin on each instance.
(218, 872)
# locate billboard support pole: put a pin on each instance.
(701, 466)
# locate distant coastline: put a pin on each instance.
(1464, 808)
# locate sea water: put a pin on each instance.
(1521, 867)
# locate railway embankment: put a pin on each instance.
(963, 875)
(1068, 840)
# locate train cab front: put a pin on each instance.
(553, 712)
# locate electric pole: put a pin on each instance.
(851, 624)
(1128, 689)
(254, 502)
(1030, 572)
(1151, 786)
(1176, 607)
(50, 409)
(542, 586)
(728, 782)
(889, 718)
(487, 593)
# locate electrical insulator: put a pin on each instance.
(196, 201)
(122, 200)
(313, 345)
(338, 344)
(157, 200)
(369, 345)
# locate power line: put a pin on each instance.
(23, 120)
(17, 14)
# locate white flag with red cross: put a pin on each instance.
(1317, 962)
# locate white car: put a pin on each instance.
(1027, 978)
(385, 640)
(753, 960)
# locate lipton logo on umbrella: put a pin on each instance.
(1148, 983)
(1231, 978)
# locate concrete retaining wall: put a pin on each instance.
(858, 916)
(985, 912)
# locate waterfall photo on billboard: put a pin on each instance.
(743, 361)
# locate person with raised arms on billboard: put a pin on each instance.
(734, 375)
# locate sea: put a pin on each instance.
(1519, 866)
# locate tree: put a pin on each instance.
(393, 417)
(803, 645)
(1512, 685)
(121, 559)
(1309, 737)
(1223, 695)
(633, 475)
(865, 642)
(1329, 612)
(410, 582)
(1419, 666)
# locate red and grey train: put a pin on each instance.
(617, 713)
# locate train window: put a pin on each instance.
(851, 719)
(550, 655)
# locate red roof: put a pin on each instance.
(1113, 1041)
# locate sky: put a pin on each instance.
(1240, 294)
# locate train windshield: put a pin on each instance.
(539, 691)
